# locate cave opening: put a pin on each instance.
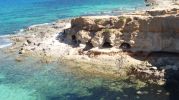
(125, 46)
(73, 37)
(74, 41)
(107, 45)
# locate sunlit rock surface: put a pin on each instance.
(148, 31)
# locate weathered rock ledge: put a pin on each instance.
(149, 31)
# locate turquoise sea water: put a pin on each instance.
(18, 14)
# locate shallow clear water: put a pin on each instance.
(31, 79)
(17, 14)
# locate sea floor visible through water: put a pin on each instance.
(32, 79)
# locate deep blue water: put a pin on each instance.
(18, 14)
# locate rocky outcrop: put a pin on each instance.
(149, 31)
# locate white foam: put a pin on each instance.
(5, 45)
(4, 41)
(36, 25)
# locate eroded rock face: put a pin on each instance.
(85, 24)
(83, 36)
(151, 31)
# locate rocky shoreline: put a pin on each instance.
(141, 45)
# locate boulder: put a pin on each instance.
(83, 36)
(21, 51)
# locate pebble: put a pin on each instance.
(139, 92)
(38, 44)
(153, 68)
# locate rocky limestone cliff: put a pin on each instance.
(148, 31)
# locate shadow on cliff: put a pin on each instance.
(104, 93)
(62, 37)
(161, 60)
(73, 42)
